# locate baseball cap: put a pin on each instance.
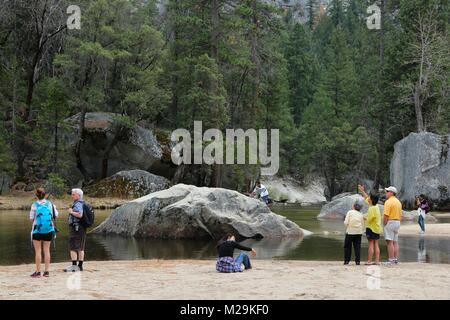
(391, 189)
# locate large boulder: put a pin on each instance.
(338, 208)
(421, 165)
(128, 184)
(138, 149)
(186, 211)
(287, 189)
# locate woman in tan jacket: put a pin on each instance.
(354, 221)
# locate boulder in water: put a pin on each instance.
(338, 208)
(189, 212)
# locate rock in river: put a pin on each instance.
(130, 184)
(338, 208)
(189, 212)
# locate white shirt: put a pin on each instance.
(354, 221)
(421, 212)
(262, 191)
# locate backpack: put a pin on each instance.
(43, 219)
(429, 207)
(87, 220)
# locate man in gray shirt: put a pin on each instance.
(77, 233)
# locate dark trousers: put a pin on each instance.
(355, 241)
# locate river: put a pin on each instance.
(325, 244)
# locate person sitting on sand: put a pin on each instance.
(373, 226)
(354, 221)
(42, 213)
(225, 262)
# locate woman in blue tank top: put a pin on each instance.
(42, 213)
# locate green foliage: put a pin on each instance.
(337, 98)
(55, 185)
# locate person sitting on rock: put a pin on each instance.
(225, 262)
(261, 191)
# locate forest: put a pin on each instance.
(342, 94)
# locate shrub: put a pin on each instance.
(55, 185)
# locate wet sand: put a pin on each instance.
(431, 230)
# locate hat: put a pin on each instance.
(391, 189)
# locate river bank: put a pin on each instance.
(197, 279)
(23, 201)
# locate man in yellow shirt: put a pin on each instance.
(392, 217)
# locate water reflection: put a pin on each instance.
(325, 244)
(128, 248)
(422, 252)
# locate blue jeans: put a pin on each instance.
(422, 223)
(243, 259)
(265, 199)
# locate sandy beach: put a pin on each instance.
(194, 279)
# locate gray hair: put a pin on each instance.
(78, 192)
(357, 205)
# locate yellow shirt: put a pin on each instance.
(354, 221)
(393, 209)
(373, 218)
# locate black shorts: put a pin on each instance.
(43, 236)
(77, 239)
(372, 235)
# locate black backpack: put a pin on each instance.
(87, 220)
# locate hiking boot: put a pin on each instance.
(36, 275)
(46, 274)
(72, 268)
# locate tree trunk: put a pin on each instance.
(105, 158)
(179, 174)
(216, 179)
(81, 135)
(381, 149)
(256, 64)
(418, 109)
(56, 140)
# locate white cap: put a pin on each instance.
(391, 189)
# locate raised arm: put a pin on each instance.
(363, 191)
